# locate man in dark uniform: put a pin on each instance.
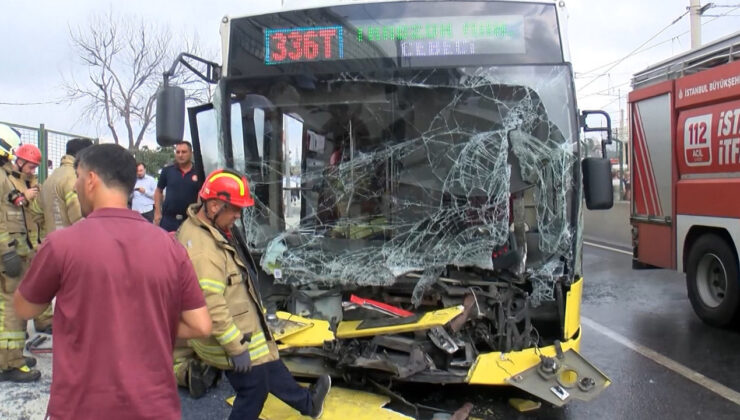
(182, 184)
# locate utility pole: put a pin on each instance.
(622, 149)
(621, 112)
(695, 14)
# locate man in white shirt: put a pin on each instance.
(143, 199)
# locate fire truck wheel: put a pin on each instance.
(712, 281)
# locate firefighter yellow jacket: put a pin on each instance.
(20, 226)
(239, 323)
(58, 197)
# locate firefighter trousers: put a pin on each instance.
(182, 356)
(273, 378)
(12, 327)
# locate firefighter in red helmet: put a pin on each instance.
(21, 221)
(28, 158)
(241, 343)
(28, 153)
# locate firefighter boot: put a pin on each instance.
(319, 391)
(44, 330)
(200, 377)
(21, 374)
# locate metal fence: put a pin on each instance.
(52, 144)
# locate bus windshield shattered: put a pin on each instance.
(407, 161)
(360, 179)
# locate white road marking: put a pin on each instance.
(621, 251)
(664, 361)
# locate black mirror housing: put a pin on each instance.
(597, 183)
(170, 115)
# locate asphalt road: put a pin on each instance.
(638, 328)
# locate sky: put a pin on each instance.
(609, 41)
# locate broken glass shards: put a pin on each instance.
(363, 180)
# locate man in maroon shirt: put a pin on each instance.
(124, 290)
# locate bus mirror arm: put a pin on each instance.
(171, 99)
(608, 128)
(212, 74)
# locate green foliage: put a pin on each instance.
(155, 159)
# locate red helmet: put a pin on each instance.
(29, 153)
(227, 185)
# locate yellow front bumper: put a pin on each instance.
(488, 369)
(495, 367)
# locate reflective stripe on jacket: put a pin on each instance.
(238, 320)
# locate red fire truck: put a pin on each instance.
(685, 128)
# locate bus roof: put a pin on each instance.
(274, 6)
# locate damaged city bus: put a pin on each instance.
(418, 187)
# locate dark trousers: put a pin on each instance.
(252, 389)
(149, 215)
(170, 223)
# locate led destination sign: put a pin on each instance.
(403, 38)
(303, 44)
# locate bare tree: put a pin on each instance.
(125, 58)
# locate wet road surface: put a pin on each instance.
(646, 309)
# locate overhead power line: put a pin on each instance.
(610, 102)
(648, 48)
(639, 50)
(606, 92)
(634, 51)
(726, 14)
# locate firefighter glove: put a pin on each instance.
(12, 263)
(242, 362)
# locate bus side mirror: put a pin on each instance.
(597, 172)
(597, 183)
(170, 115)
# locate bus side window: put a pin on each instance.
(238, 137)
(254, 135)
